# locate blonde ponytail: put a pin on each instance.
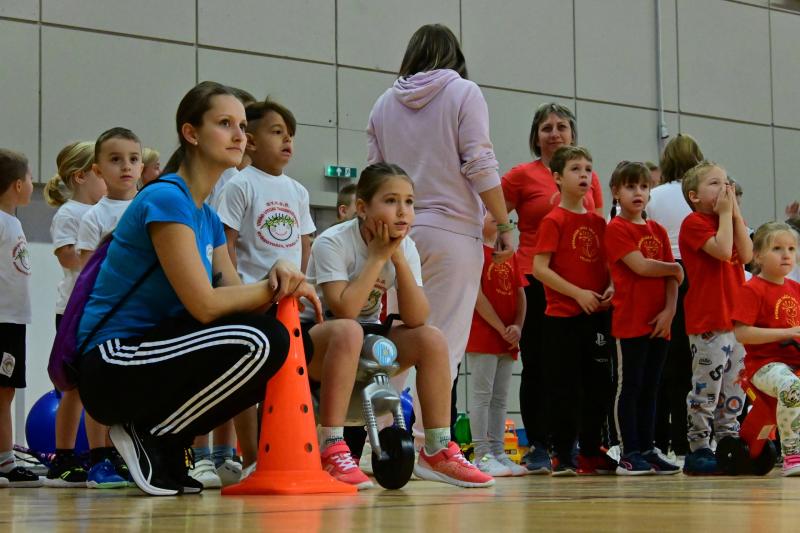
(54, 192)
(74, 158)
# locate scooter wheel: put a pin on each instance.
(733, 456)
(765, 462)
(394, 472)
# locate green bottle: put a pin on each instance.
(463, 433)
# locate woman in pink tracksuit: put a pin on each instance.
(434, 123)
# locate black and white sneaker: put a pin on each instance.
(20, 477)
(66, 471)
(146, 462)
(181, 459)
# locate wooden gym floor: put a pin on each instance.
(534, 503)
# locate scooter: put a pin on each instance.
(373, 396)
(753, 452)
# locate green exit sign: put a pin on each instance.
(333, 171)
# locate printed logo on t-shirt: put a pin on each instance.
(734, 260)
(373, 304)
(587, 244)
(210, 254)
(7, 365)
(21, 257)
(786, 310)
(502, 273)
(650, 247)
(277, 225)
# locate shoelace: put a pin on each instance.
(344, 461)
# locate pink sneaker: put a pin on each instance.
(450, 466)
(791, 465)
(337, 461)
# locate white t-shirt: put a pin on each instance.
(339, 254)
(99, 221)
(270, 213)
(668, 207)
(64, 232)
(216, 192)
(15, 272)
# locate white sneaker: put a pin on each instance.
(488, 464)
(205, 473)
(365, 462)
(229, 472)
(247, 470)
(516, 470)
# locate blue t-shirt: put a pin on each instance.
(131, 253)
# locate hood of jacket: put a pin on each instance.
(418, 90)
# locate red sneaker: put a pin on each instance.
(450, 466)
(596, 465)
(337, 461)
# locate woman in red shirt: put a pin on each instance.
(530, 189)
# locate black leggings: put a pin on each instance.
(532, 393)
(183, 378)
(676, 382)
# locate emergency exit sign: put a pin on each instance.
(333, 171)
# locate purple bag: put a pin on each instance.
(64, 356)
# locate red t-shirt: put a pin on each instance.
(499, 283)
(530, 187)
(637, 299)
(576, 243)
(713, 284)
(764, 304)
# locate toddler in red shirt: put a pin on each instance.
(714, 245)
(492, 347)
(646, 279)
(766, 314)
(570, 262)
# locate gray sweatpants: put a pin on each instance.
(488, 401)
(716, 398)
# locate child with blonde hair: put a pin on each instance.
(74, 190)
(715, 245)
(16, 187)
(151, 166)
(765, 316)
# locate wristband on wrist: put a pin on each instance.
(503, 228)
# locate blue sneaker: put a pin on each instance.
(103, 475)
(634, 465)
(701, 462)
(659, 464)
(537, 460)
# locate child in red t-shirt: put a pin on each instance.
(767, 313)
(714, 244)
(641, 262)
(570, 262)
(492, 347)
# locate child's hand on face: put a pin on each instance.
(724, 203)
(379, 243)
(588, 300)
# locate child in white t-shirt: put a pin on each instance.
(118, 161)
(266, 213)
(16, 187)
(353, 264)
(85, 189)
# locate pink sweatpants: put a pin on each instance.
(451, 277)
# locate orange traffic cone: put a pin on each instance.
(288, 454)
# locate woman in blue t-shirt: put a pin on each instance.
(182, 354)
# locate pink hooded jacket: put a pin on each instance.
(435, 125)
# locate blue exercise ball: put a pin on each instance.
(40, 426)
(407, 403)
